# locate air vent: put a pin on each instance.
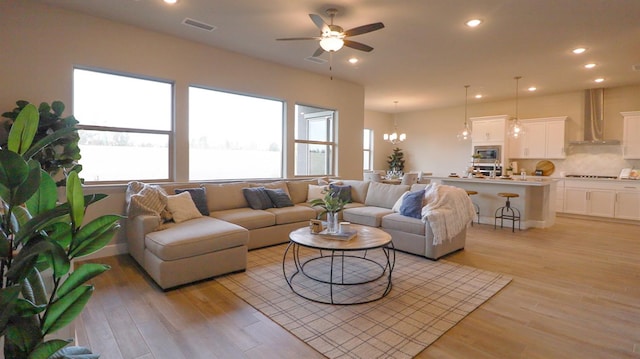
(317, 60)
(199, 24)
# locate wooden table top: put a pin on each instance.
(367, 238)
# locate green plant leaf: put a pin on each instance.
(46, 349)
(75, 198)
(65, 309)
(45, 197)
(24, 129)
(37, 287)
(58, 107)
(59, 260)
(40, 222)
(93, 198)
(5, 245)
(26, 259)
(13, 171)
(26, 308)
(8, 297)
(95, 235)
(80, 276)
(29, 186)
(47, 140)
(44, 107)
(61, 233)
(21, 215)
(23, 335)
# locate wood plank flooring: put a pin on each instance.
(575, 294)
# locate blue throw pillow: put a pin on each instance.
(257, 198)
(279, 197)
(343, 192)
(199, 197)
(412, 204)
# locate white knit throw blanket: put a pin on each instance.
(448, 209)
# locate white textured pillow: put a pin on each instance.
(182, 207)
(396, 206)
(316, 192)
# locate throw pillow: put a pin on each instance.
(316, 192)
(343, 192)
(396, 206)
(412, 204)
(182, 207)
(257, 197)
(279, 197)
(199, 197)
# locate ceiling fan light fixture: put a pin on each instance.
(331, 43)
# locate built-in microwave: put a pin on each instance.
(487, 154)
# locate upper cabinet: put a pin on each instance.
(631, 135)
(489, 129)
(543, 138)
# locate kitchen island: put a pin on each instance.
(536, 203)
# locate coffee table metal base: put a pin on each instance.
(337, 260)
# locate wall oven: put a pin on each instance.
(487, 154)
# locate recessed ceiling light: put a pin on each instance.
(599, 80)
(353, 60)
(478, 95)
(171, 2)
(532, 88)
(473, 22)
(590, 66)
(578, 50)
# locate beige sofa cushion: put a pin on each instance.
(297, 213)
(384, 195)
(226, 196)
(246, 217)
(403, 223)
(298, 190)
(368, 216)
(358, 189)
(194, 238)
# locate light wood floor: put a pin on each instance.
(575, 294)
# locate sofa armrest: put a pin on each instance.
(137, 229)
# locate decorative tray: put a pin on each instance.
(342, 236)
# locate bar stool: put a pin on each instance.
(507, 212)
(471, 193)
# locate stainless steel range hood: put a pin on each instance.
(594, 119)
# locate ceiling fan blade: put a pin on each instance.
(318, 52)
(299, 38)
(317, 19)
(364, 29)
(357, 45)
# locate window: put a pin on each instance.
(125, 128)
(234, 136)
(314, 144)
(367, 148)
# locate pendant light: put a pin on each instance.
(465, 133)
(395, 137)
(515, 128)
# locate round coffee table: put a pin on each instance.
(340, 265)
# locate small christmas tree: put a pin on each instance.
(396, 160)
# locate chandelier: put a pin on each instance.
(465, 133)
(515, 128)
(394, 137)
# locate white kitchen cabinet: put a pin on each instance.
(628, 202)
(489, 129)
(543, 138)
(631, 135)
(560, 196)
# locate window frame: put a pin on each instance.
(170, 133)
(331, 144)
(368, 166)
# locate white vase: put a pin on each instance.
(332, 222)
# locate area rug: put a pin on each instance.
(427, 299)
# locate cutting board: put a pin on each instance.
(547, 167)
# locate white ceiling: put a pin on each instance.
(425, 54)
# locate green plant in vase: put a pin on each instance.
(39, 234)
(331, 204)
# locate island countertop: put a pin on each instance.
(516, 180)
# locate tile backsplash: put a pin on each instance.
(604, 160)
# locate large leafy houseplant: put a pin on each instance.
(59, 157)
(39, 234)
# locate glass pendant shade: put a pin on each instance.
(515, 128)
(465, 133)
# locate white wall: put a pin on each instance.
(42, 44)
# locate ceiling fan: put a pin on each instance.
(333, 37)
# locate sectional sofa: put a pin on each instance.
(216, 241)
